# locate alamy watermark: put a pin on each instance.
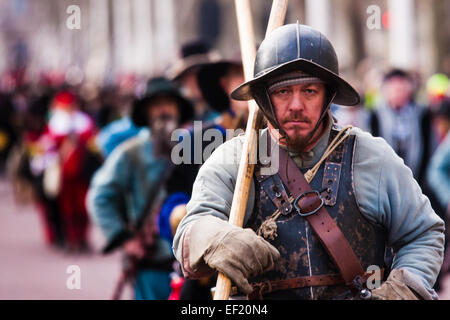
(73, 22)
(374, 280)
(73, 282)
(376, 18)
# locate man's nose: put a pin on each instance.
(296, 101)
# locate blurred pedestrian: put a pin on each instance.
(72, 161)
(439, 168)
(438, 174)
(192, 55)
(216, 81)
(126, 192)
(28, 167)
(406, 126)
(402, 122)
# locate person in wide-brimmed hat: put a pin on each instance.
(160, 88)
(191, 56)
(184, 70)
(216, 81)
(323, 204)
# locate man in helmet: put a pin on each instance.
(314, 228)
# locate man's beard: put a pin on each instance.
(161, 132)
(298, 143)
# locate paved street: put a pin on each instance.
(30, 270)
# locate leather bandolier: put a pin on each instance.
(303, 257)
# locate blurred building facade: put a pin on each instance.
(99, 40)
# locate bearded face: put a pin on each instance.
(297, 109)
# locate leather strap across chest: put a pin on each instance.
(322, 223)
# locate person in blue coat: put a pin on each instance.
(125, 193)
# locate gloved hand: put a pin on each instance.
(394, 288)
(237, 253)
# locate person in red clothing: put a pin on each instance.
(29, 169)
(67, 178)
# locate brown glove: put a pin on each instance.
(237, 253)
(394, 288)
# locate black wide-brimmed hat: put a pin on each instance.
(192, 55)
(208, 77)
(296, 47)
(157, 87)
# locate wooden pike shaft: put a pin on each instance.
(248, 158)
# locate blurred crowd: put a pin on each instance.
(85, 154)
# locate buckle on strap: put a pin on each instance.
(358, 288)
(308, 203)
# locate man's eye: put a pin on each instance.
(282, 91)
(310, 91)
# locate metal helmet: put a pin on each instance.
(292, 48)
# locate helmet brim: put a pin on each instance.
(346, 95)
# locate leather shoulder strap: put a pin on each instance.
(324, 226)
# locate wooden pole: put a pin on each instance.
(246, 165)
